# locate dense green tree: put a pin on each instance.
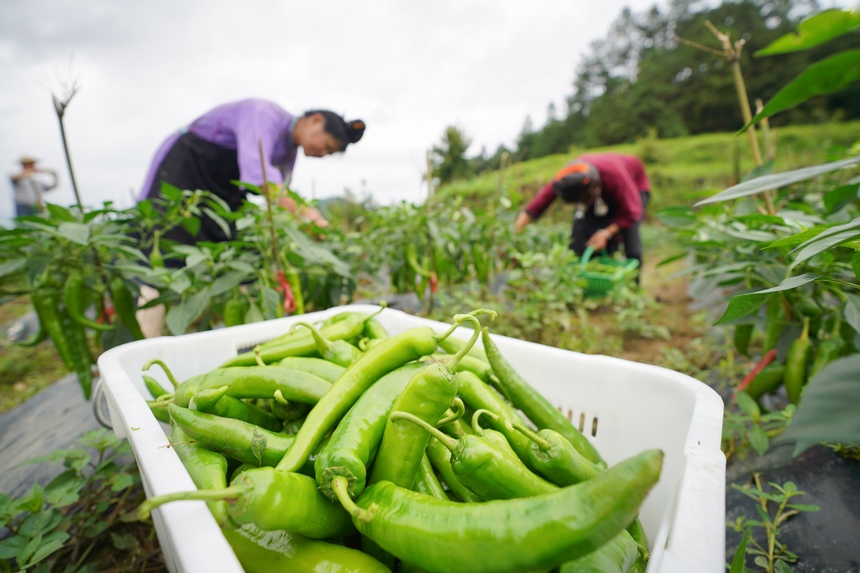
(448, 159)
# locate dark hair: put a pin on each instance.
(345, 132)
(573, 182)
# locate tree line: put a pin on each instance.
(660, 72)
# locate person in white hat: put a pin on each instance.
(30, 185)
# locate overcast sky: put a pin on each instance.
(407, 68)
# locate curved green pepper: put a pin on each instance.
(208, 469)
(515, 534)
(124, 307)
(73, 298)
(796, 362)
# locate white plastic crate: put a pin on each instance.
(623, 407)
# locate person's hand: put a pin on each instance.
(599, 239)
(522, 220)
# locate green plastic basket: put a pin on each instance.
(599, 283)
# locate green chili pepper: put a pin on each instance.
(155, 389)
(46, 301)
(480, 396)
(215, 401)
(615, 556)
(426, 481)
(73, 298)
(796, 362)
(357, 436)
(742, 337)
(452, 344)
(440, 458)
(256, 382)
(124, 307)
(277, 551)
(374, 330)
(537, 408)
(555, 458)
(376, 362)
(828, 349)
(766, 381)
(426, 397)
(295, 283)
(235, 310)
(288, 411)
(80, 351)
(326, 370)
(208, 469)
(234, 438)
(340, 352)
(271, 500)
(482, 467)
(302, 343)
(503, 535)
(471, 364)
(774, 322)
(159, 410)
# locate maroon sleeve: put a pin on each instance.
(542, 200)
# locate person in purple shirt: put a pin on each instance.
(222, 146)
(611, 192)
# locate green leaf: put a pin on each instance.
(841, 196)
(821, 78)
(748, 405)
(58, 212)
(29, 550)
(851, 313)
(781, 567)
(855, 264)
(75, 232)
(65, 489)
(218, 220)
(829, 410)
(777, 180)
(32, 501)
(11, 547)
(739, 561)
(804, 507)
(12, 266)
(171, 192)
(180, 282)
(819, 245)
(676, 216)
(123, 542)
(180, 317)
(122, 481)
(746, 304)
(50, 544)
(242, 267)
(40, 523)
(758, 439)
(146, 209)
(814, 31)
(226, 282)
(197, 257)
(798, 238)
(192, 225)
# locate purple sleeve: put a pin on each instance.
(541, 202)
(257, 121)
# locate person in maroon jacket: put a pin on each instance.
(611, 192)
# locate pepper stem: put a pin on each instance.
(446, 440)
(144, 509)
(323, 343)
(459, 319)
(476, 426)
(164, 367)
(340, 487)
(258, 355)
(382, 306)
(279, 398)
(454, 413)
(541, 443)
(206, 398)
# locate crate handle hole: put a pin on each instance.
(594, 427)
(582, 422)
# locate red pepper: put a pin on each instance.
(434, 286)
(765, 360)
(284, 287)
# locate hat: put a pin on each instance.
(572, 182)
(27, 159)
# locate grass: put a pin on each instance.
(680, 169)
